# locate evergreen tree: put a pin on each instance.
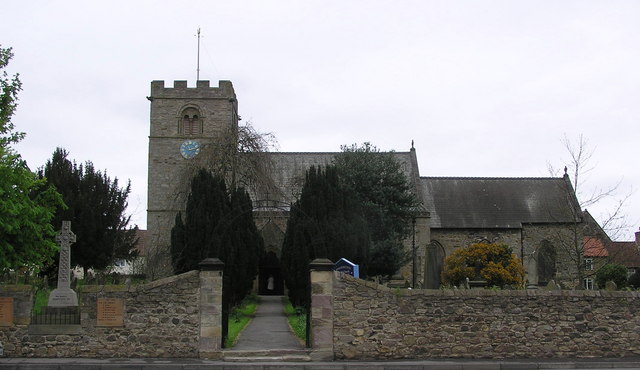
(95, 205)
(379, 183)
(218, 224)
(326, 222)
(246, 245)
(177, 245)
(207, 204)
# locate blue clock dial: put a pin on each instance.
(190, 149)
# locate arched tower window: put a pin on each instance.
(190, 122)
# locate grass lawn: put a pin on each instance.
(297, 318)
(239, 317)
(41, 300)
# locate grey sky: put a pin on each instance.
(485, 88)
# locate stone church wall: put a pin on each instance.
(451, 239)
(525, 242)
(372, 322)
(161, 319)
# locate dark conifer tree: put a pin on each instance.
(247, 244)
(325, 222)
(177, 244)
(389, 204)
(218, 224)
(95, 205)
(207, 205)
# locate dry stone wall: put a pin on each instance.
(161, 319)
(375, 322)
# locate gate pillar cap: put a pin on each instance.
(321, 264)
(211, 264)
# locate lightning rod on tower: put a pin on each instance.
(198, 65)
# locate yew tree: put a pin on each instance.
(95, 205)
(218, 223)
(379, 183)
(327, 221)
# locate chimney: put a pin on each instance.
(638, 238)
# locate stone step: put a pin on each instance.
(267, 356)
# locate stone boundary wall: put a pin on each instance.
(161, 319)
(373, 322)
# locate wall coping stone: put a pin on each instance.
(471, 293)
(321, 264)
(15, 288)
(211, 264)
(137, 288)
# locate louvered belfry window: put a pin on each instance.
(190, 123)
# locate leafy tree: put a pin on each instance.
(27, 205)
(95, 205)
(494, 263)
(9, 88)
(387, 199)
(612, 272)
(326, 222)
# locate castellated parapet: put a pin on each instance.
(202, 114)
(203, 90)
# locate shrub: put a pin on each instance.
(494, 263)
(634, 280)
(612, 272)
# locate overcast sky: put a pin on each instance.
(484, 88)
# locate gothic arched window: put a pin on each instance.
(546, 263)
(190, 122)
(434, 265)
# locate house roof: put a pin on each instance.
(624, 253)
(594, 247)
(462, 202)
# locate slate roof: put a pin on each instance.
(462, 202)
(290, 168)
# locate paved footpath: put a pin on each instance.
(191, 364)
(269, 329)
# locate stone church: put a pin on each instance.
(537, 217)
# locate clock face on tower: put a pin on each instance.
(190, 149)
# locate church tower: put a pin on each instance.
(184, 122)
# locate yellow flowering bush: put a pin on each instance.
(494, 263)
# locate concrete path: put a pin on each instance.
(269, 330)
(196, 364)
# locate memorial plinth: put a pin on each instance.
(63, 295)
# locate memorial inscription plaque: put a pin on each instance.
(6, 311)
(110, 312)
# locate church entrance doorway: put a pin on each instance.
(270, 281)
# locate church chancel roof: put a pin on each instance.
(462, 202)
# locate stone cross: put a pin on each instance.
(63, 295)
(65, 238)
